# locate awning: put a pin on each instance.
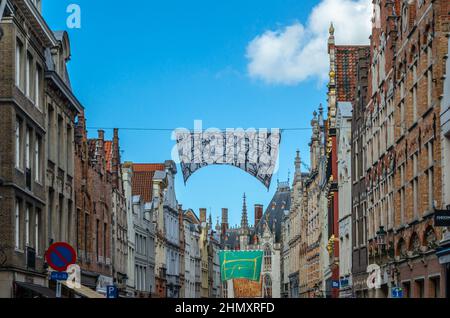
(84, 291)
(37, 289)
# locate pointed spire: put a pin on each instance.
(331, 30)
(320, 113)
(244, 219)
(298, 163)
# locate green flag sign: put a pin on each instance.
(240, 264)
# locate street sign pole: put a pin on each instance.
(58, 289)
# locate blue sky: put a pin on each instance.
(164, 64)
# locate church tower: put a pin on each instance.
(244, 230)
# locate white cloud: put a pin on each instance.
(298, 52)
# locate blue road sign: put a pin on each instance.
(397, 292)
(335, 284)
(59, 275)
(112, 291)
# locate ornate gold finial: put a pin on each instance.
(331, 30)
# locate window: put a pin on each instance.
(17, 225)
(69, 152)
(27, 226)
(407, 289)
(19, 50)
(37, 158)
(414, 92)
(430, 175)
(97, 230)
(27, 149)
(37, 227)
(402, 194)
(28, 77)
(61, 218)
(18, 144)
(267, 258)
(420, 290)
(435, 287)
(415, 185)
(105, 228)
(60, 140)
(86, 231)
(50, 132)
(37, 86)
(267, 287)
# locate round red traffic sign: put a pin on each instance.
(60, 255)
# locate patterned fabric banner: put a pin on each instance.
(240, 264)
(244, 288)
(254, 151)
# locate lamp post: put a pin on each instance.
(381, 244)
(381, 240)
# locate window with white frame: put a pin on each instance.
(37, 228)
(37, 86)
(28, 76)
(27, 149)
(17, 225)
(19, 67)
(18, 143)
(27, 226)
(37, 158)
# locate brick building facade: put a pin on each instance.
(403, 152)
(93, 199)
(37, 112)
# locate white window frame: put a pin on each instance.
(17, 225)
(27, 149)
(27, 226)
(19, 50)
(28, 70)
(18, 145)
(37, 216)
(37, 156)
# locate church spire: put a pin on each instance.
(244, 219)
(298, 162)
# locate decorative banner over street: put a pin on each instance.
(254, 151)
(244, 288)
(240, 264)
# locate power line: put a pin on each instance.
(224, 129)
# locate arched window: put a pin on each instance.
(267, 286)
(414, 244)
(267, 258)
(401, 248)
(430, 238)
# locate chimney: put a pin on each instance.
(202, 215)
(101, 135)
(258, 213)
(115, 159)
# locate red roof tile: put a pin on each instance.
(108, 154)
(143, 178)
(346, 76)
